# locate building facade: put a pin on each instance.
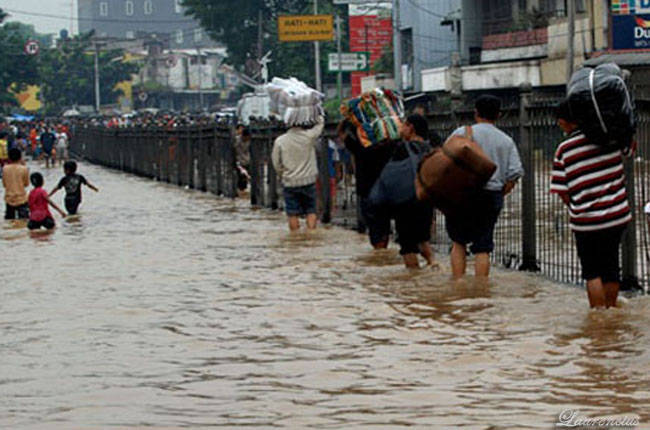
(429, 35)
(141, 19)
(504, 44)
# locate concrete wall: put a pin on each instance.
(504, 75)
(434, 80)
(484, 76)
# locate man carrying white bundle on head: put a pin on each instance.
(294, 153)
(294, 160)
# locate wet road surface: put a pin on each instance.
(167, 308)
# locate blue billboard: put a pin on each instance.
(631, 31)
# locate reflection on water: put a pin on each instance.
(165, 308)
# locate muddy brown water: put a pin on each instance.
(167, 308)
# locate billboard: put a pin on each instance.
(627, 7)
(371, 30)
(631, 31)
(305, 28)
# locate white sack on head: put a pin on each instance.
(295, 102)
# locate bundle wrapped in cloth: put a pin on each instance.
(376, 114)
(295, 102)
(601, 104)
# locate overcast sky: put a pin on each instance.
(30, 11)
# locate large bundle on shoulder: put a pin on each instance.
(450, 175)
(376, 114)
(601, 105)
(295, 102)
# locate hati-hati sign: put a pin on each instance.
(305, 28)
(631, 31)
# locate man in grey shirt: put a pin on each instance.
(475, 225)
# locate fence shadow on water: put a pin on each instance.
(533, 230)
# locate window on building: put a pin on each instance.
(128, 7)
(178, 7)
(103, 8)
(130, 34)
(497, 16)
(148, 7)
(179, 36)
(198, 35)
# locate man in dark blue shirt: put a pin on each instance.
(47, 143)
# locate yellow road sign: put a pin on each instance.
(305, 28)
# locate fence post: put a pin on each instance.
(629, 242)
(324, 178)
(528, 206)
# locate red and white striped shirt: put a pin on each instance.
(593, 178)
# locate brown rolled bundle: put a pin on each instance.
(450, 175)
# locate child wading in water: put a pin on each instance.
(39, 212)
(72, 184)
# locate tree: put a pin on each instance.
(236, 24)
(17, 69)
(67, 74)
(384, 64)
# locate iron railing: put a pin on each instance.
(532, 232)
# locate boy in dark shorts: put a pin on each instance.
(39, 212)
(72, 183)
(590, 180)
(475, 225)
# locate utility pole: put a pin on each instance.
(319, 85)
(97, 100)
(200, 69)
(397, 46)
(339, 77)
(259, 36)
(571, 24)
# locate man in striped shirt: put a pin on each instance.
(590, 180)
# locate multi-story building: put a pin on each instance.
(141, 19)
(429, 36)
(506, 43)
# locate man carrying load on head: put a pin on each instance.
(590, 180)
(474, 225)
(294, 160)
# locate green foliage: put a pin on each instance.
(530, 19)
(235, 24)
(67, 74)
(17, 70)
(332, 110)
(385, 63)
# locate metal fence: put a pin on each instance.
(532, 232)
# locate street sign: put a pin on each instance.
(142, 96)
(32, 47)
(351, 62)
(305, 28)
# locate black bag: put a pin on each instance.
(396, 183)
(601, 105)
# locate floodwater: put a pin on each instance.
(167, 308)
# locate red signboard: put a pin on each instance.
(368, 33)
